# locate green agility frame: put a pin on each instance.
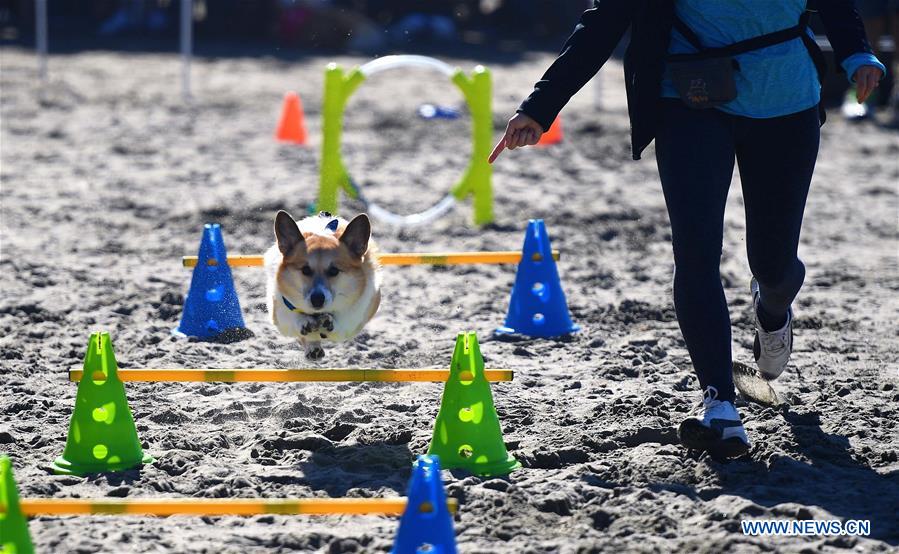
(476, 181)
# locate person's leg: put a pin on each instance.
(695, 155)
(776, 158)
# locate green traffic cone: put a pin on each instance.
(14, 535)
(102, 436)
(467, 434)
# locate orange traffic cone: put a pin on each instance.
(291, 127)
(553, 135)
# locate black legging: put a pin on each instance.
(695, 151)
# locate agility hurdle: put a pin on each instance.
(291, 375)
(537, 306)
(398, 258)
(103, 436)
(163, 507)
(426, 513)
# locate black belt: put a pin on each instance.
(750, 44)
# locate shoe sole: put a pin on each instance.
(695, 436)
(754, 386)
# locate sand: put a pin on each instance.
(107, 179)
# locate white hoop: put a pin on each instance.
(448, 202)
(391, 62)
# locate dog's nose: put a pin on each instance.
(317, 299)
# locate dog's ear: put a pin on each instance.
(287, 233)
(356, 235)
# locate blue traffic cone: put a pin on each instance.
(211, 306)
(426, 525)
(538, 307)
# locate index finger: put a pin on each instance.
(500, 146)
(866, 87)
(861, 88)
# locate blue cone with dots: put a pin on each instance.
(538, 307)
(426, 525)
(211, 307)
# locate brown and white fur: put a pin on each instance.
(327, 269)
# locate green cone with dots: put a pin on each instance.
(467, 433)
(102, 436)
(14, 535)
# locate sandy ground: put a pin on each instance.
(107, 179)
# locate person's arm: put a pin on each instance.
(844, 28)
(851, 50)
(586, 50)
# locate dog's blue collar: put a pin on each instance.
(290, 306)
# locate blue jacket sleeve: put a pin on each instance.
(851, 64)
(844, 29)
(586, 50)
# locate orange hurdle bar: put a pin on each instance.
(217, 506)
(291, 375)
(399, 258)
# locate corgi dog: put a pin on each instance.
(323, 279)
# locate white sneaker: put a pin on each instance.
(772, 349)
(716, 429)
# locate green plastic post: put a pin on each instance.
(333, 175)
(476, 181)
(102, 436)
(467, 433)
(477, 178)
(14, 535)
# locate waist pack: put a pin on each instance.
(705, 78)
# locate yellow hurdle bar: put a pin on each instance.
(292, 375)
(398, 258)
(217, 506)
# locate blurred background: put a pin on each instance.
(493, 30)
(355, 25)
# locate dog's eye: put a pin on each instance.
(307, 271)
(333, 271)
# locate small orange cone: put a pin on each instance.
(553, 135)
(291, 127)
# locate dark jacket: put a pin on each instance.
(601, 28)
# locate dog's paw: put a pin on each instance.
(315, 353)
(309, 325)
(326, 322)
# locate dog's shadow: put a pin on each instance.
(337, 469)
